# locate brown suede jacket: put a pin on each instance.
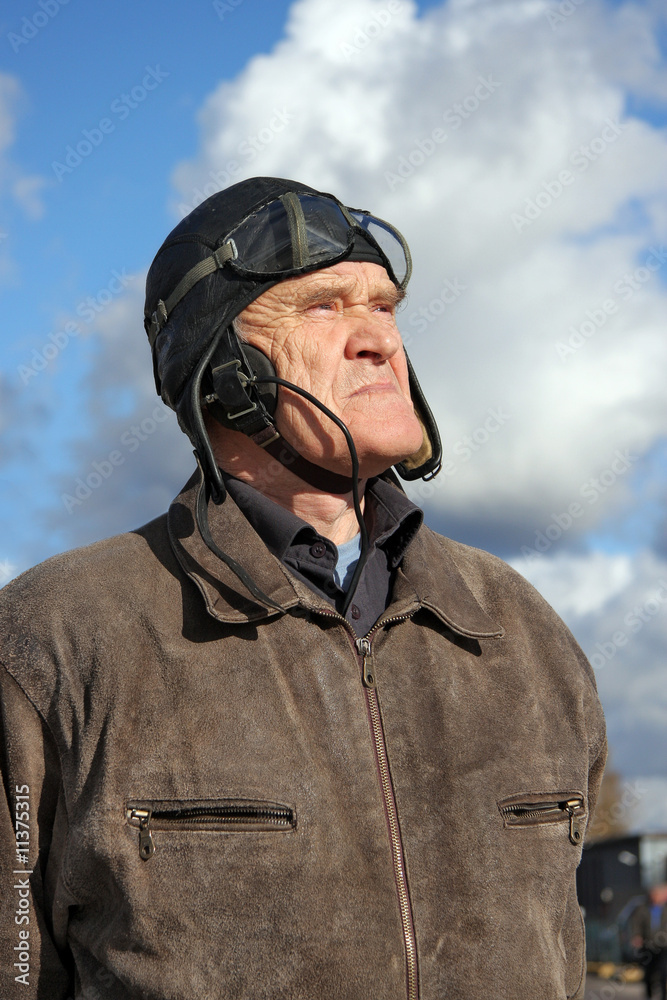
(226, 801)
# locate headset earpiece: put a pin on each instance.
(228, 396)
(260, 366)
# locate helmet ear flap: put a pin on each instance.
(426, 462)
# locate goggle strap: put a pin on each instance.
(297, 227)
(349, 218)
(187, 282)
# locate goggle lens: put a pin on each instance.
(386, 238)
(263, 242)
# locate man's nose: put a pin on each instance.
(372, 335)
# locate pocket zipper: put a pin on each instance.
(524, 812)
(229, 815)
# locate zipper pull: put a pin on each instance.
(365, 650)
(146, 845)
(576, 823)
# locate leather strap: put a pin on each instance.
(321, 479)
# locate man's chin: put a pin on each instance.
(379, 445)
(374, 462)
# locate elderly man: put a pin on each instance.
(285, 741)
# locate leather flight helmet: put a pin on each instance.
(218, 259)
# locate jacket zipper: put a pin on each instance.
(531, 813)
(365, 650)
(231, 816)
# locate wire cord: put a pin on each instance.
(363, 531)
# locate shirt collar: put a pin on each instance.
(393, 519)
(277, 527)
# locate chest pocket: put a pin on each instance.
(223, 815)
(535, 808)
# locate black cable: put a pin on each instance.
(215, 483)
(201, 434)
(201, 514)
(363, 531)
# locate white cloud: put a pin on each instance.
(518, 102)
(7, 571)
(616, 606)
(578, 585)
(21, 188)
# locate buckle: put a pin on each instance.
(242, 413)
(243, 381)
(157, 321)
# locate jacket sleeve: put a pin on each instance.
(32, 827)
(596, 773)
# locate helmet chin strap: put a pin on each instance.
(272, 442)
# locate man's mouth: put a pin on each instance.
(375, 387)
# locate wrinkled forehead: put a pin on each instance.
(351, 281)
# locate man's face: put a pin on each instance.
(333, 332)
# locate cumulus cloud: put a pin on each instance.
(578, 585)
(616, 605)
(504, 148)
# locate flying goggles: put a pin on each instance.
(291, 235)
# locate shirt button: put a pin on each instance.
(355, 612)
(317, 549)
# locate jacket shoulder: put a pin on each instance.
(508, 598)
(496, 584)
(82, 573)
(59, 610)
(60, 620)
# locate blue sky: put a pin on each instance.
(160, 97)
(111, 212)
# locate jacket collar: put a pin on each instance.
(226, 597)
(441, 588)
(428, 577)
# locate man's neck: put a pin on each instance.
(331, 515)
